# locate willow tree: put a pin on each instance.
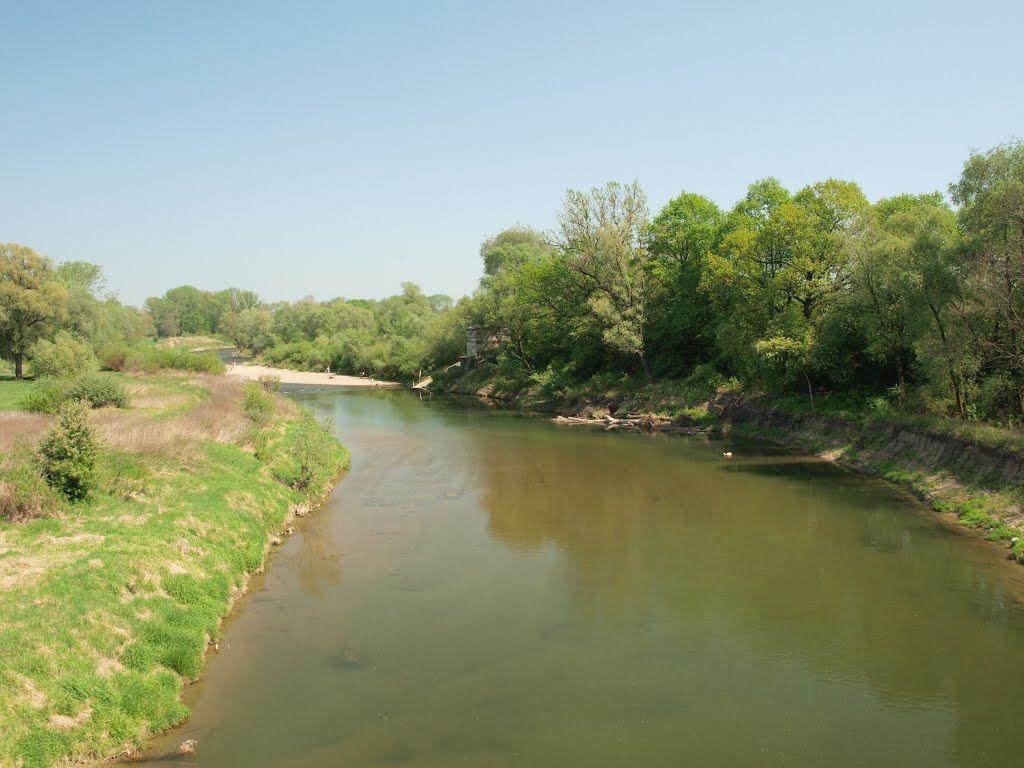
(603, 238)
(31, 300)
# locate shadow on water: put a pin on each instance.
(489, 590)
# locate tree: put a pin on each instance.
(990, 194)
(440, 302)
(603, 238)
(31, 298)
(248, 328)
(886, 296)
(918, 276)
(511, 248)
(681, 321)
(781, 263)
(82, 281)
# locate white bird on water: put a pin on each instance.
(727, 454)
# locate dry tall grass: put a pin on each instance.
(18, 428)
(218, 418)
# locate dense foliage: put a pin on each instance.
(818, 290)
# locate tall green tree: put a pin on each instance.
(31, 301)
(990, 193)
(603, 238)
(681, 322)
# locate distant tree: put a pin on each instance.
(248, 328)
(31, 301)
(439, 302)
(83, 282)
(512, 248)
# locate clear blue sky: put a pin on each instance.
(340, 148)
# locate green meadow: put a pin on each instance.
(108, 605)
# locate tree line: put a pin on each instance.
(42, 303)
(917, 298)
(817, 290)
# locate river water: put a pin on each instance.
(489, 590)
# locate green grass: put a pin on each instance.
(12, 392)
(861, 408)
(106, 609)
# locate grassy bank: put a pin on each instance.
(107, 605)
(969, 471)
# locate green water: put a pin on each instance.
(487, 590)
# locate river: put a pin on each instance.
(489, 590)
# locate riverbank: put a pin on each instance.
(972, 474)
(249, 372)
(108, 605)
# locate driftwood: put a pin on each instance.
(647, 422)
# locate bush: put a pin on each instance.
(113, 356)
(148, 359)
(64, 357)
(67, 452)
(311, 452)
(99, 391)
(45, 397)
(24, 493)
(257, 403)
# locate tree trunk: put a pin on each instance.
(19, 366)
(953, 379)
(646, 368)
(810, 391)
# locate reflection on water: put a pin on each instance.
(487, 590)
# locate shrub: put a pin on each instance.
(113, 356)
(67, 452)
(45, 397)
(99, 391)
(997, 396)
(149, 358)
(64, 357)
(24, 493)
(311, 452)
(257, 403)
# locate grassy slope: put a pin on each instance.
(107, 607)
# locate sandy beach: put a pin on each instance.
(311, 378)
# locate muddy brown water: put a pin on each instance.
(489, 590)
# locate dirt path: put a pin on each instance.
(252, 372)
